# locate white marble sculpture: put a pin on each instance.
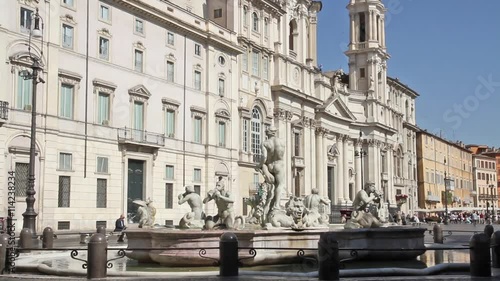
(364, 200)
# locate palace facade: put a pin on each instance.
(143, 97)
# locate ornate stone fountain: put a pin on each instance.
(270, 226)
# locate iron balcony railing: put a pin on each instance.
(4, 110)
(140, 136)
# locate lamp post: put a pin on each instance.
(446, 183)
(492, 186)
(30, 215)
(361, 153)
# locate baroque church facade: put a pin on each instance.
(181, 92)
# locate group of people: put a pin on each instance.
(468, 217)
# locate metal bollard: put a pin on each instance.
(228, 255)
(26, 238)
(437, 231)
(480, 256)
(328, 255)
(495, 249)
(488, 230)
(101, 230)
(97, 256)
(48, 238)
(4, 242)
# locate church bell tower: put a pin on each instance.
(367, 52)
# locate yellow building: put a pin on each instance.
(440, 159)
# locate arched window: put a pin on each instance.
(255, 22)
(256, 130)
(292, 35)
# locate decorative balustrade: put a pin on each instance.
(140, 136)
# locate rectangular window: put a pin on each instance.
(265, 68)
(138, 60)
(222, 134)
(197, 80)
(104, 13)
(256, 180)
(218, 13)
(139, 26)
(67, 101)
(197, 49)
(197, 129)
(245, 135)
(296, 137)
(65, 161)
(170, 38)
(255, 63)
(245, 15)
(197, 189)
(138, 116)
(21, 179)
(67, 36)
(362, 73)
(102, 191)
(197, 175)
(103, 109)
(169, 172)
(244, 60)
(170, 123)
(221, 87)
(63, 225)
(24, 91)
(64, 192)
(169, 196)
(103, 48)
(68, 3)
(266, 27)
(26, 15)
(102, 164)
(170, 71)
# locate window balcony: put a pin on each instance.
(140, 137)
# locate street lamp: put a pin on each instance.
(36, 31)
(448, 185)
(492, 186)
(361, 153)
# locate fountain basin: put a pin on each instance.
(172, 242)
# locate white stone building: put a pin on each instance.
(147, 96)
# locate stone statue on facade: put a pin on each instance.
(364, 215)
(225, 218)
(193, 219)
(146, 213)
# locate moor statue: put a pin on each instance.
(194, 218)
(363, 202)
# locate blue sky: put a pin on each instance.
(446, 50)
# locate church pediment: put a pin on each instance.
(140, 91)
(337, 108)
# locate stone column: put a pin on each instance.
(324, 163)
(370, 163)
(340, 170)
(359, 146)
(289, 147)
(352, 33)
(311, 154)
(313, 42)
(346, 168)
(371, 25)
(319, 160)
(382, 26)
